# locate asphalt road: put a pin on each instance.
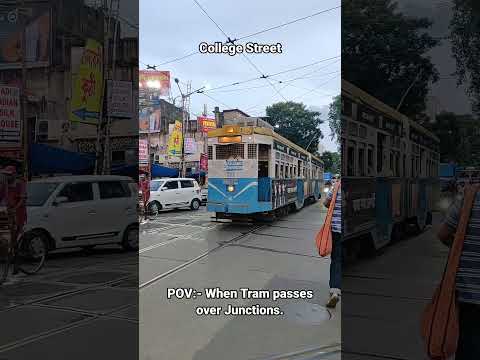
(384, 298)
(187, 250)
(78, 307)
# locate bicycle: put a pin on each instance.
(28, 255)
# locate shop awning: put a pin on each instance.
(46, 160)
(159, 171)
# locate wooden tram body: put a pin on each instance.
(389, 170)
(252, 171)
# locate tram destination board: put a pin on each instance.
(359, 214)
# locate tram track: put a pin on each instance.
(318, 352)
(196, 259)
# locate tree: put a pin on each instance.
(293, 121)
(465, 37)
(334, 113)
(331, 162)
(384, 53)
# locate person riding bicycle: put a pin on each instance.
(16, 204)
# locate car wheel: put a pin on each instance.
(130, 238)
(195, 204)
(154, 208)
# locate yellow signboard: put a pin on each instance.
(87, 85)
(175, 141)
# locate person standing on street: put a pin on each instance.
(336, 255)
(468, 277)
(145, 189)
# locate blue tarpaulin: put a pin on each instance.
(45, 159)
(159, 171)
(327, 176)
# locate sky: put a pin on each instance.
(173, 28)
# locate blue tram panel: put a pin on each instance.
(253, 170)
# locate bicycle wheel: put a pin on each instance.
(32, 252)
(4, 256)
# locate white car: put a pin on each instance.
(83, 211)
(204, 193)
(173, 193)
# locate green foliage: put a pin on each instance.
(459, 138)
(384, 51)
(465, 36)
(334, 113)
(331, 162)
(296, 123)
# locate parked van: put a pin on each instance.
(83, 211)
(172, 193)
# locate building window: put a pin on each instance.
(210, 152)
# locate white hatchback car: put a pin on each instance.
(83, 211)
(172, 193)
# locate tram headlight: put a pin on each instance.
(325, 190)
(230, 188)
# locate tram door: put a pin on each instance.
(263, 160)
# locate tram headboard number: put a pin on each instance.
(233, 165)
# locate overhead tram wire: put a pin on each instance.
(271, 75)
(251, 35)
(262, 74)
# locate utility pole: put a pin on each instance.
(107, 152)
(23, 106)
(184, 106)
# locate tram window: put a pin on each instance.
(210, 152)
(380, 140)
(252, 151)
(362, 132)
(361, 161)
(351, 161)
(231, 150)
(370, 160)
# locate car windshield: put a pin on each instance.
(38, 193)
(155, 185)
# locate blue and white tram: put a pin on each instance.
(389, 171)
(254, 171)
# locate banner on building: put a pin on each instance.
(155, 82)
(155, 120)
(87, 85)
(143, 151)
(119, 99)
(10, 122)
(190, 146)
(175, 140)
(37, 36)
(205, 124)
(204, 162)
(143, 121)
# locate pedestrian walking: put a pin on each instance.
(329, 241)
(451, 320)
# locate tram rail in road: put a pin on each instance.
(185, 265)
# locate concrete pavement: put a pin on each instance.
(384, 298)
(196, 253)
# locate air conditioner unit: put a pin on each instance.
(41, 134)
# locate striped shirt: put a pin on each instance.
(468, 274)
(337, 211)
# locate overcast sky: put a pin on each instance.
(174, 28)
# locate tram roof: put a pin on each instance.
(364, 97)
(250, 130)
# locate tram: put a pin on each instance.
(390, 168)
(254, 172)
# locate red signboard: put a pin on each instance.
(205, 124)
(155, 81)
(204, 162)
